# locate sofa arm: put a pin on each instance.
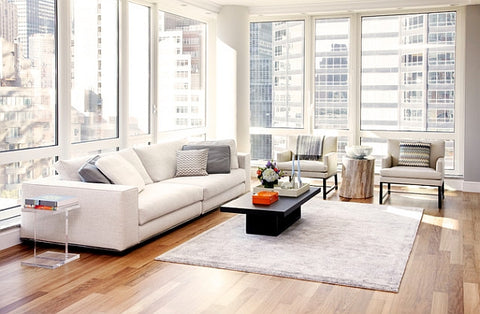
(440, 166)
(284, 156)
(387, 161)
(107, 217)
(244, 163)
(330, 160)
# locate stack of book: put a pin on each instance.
(51, 202)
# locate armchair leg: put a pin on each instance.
(380, 195)
(443, 190)
(336, 182)
(388, 188)
(440, 197)
(324, 188)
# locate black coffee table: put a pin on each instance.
(269, 219)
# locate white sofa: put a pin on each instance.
(115, 216)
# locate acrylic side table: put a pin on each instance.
(50, 259)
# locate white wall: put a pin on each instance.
(472, 100)
(233, 71)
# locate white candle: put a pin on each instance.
(299, 175)
(293, 167)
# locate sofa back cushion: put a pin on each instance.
(160, 160)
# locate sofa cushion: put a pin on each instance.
(162, 198)
(160, 160)
(192, 163)
(229, 142)
(305, 165)
(414, 154)
(90, 173)
(213, 184)
(120, 171)
(218, 157)
(132, 157)
(68, 169)
(411, 172)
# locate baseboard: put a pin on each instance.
(471, 186)
(9, 237)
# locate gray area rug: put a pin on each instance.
(352, 244)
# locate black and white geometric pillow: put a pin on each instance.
(414, 154)
(192, 163)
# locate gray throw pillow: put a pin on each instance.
(90, 173)
(218, 157)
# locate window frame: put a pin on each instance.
(353, 133)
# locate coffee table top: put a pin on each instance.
(282, 207)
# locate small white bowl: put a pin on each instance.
(358, 151)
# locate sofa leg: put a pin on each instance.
(443, 190)
(336, 182)
(388, 184)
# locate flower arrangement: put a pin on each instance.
(269, 174)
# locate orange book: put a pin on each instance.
(265, 198)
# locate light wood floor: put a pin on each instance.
(442, 275)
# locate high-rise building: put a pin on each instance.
(33, 17)
(408, 81)
(276, 82)
(182, 99)
(8, 21)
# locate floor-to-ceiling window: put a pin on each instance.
(28, 92)
(277, 54)
(181, 72)
(331, 78)
(62, 92)
(369, 78)
(94, 71)
(139, 69)
(408, 77)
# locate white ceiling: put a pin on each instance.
(273, 7)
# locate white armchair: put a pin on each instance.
(324, 168)
(431, 174)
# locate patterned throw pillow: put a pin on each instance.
(192, 163)
(414, 154)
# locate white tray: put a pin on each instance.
(284, 192)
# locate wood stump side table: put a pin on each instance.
(357, 177)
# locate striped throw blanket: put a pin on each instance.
(309, 147)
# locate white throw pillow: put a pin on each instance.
(160, 160)
(192, 163)
(120, 171)
(132, 157)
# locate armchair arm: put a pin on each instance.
(440, 166)
(387, 161)
(330, 160)
(284, 156)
